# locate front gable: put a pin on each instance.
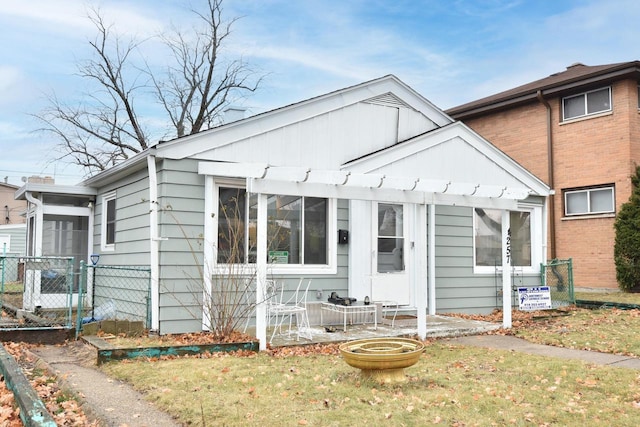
(451, 157)
(323, 132)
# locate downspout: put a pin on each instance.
(552, 210)
(154, 242)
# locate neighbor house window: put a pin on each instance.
(297, 228)
(585, 104)
(488, 238)
(589, 201)
(108, 221)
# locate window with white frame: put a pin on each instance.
(488, 239)
(589, 201)
(587, 103)
(297, 228)
(108, 227)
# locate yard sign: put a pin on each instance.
(536, 298)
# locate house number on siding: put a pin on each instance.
(508, 246)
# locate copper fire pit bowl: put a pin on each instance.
(382, 359)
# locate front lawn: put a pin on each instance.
(452, 385)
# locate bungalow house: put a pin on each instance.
(368, 191)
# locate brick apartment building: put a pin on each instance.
(579, 131)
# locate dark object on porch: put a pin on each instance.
(335, 299)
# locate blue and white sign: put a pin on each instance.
(536, 298)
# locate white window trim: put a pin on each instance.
(589, 211)
(103, 223)
(586, 114)
(285, 269)
(536, 242)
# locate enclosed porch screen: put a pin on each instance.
(296, 228)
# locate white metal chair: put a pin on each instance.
(278, 310)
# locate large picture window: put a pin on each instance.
(297, 228)
(488, 238)
(584, 104)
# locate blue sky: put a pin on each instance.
(450, 51)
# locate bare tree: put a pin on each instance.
(108, 125)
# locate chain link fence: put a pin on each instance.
(37, 292)
(558, 275)
(47, 292)
(116, 293)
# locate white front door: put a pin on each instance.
(389, 278)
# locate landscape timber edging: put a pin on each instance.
(107, 352)
(33, 411)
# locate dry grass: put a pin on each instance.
(605, 330)
(618, 297)
(451, 385)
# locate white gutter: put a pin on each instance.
(154, 243)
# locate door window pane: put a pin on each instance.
(390, 238)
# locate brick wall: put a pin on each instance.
(587, 152)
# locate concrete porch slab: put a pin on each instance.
(437, 327)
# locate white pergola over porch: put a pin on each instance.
(264, 179)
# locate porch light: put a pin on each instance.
(94, 258)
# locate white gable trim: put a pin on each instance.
(263, 178)
(386, 87)
(424, 142)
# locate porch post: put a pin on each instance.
(421, 258)
(432, 259)
(154, 244)
(506, 270)
(261, 272)
(209, 251)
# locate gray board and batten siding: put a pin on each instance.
(181, 197)
(181, 203)
(458, 288)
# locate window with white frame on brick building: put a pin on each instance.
(589, 201)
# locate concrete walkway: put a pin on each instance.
(114, 403)
(506, 342)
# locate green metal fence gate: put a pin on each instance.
(47, 292)
(37, 292)
(558, 275)
(115, 293)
